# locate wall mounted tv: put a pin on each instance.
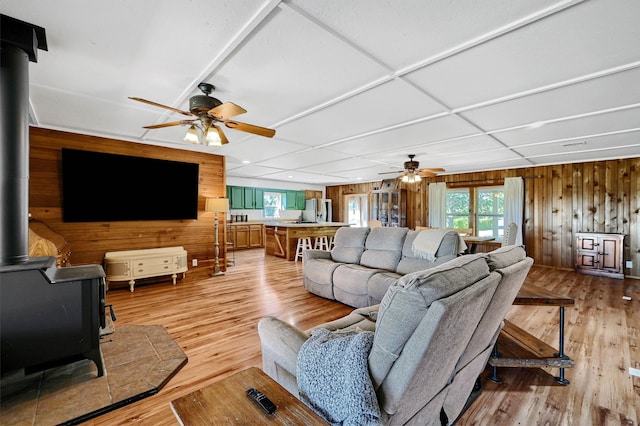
(101, 187)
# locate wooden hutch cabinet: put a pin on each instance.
(389, 207)
(600, 254)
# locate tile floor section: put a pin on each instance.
(138, 361)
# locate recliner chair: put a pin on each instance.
(422, 327)
(434, 332)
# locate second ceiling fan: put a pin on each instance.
(207, 111)
(412, 173)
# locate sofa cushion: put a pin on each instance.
(505, 256)
(318, 276)
(349, 244)
(378, 285)
(350, 284)
(383, 248)
(405, 304)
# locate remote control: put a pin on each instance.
(264, 402)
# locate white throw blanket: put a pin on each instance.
(427, 243)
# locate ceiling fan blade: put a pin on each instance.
(426, 173)
(226, 110)
(173, 123)
(388, 173)
(144, 101)
(433, 169)
(223, 138)
(250, 128)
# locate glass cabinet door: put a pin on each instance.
(384, 208)
(394, 212)
(375, 206)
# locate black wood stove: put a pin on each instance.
(48, 315)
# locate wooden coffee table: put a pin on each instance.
(226, 403)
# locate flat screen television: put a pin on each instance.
(101, 187)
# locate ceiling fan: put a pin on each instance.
(412, 173)
(207, 111)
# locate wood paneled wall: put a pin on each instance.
(560, 200)
(89, 241)
(336, 195)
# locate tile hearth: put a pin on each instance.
(138, 361)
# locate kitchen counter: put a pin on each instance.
(305, 224)
(281, 238)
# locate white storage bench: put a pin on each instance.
(135, 264)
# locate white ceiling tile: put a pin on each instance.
(116, 49)
(580, 127)
(603, 93)
(577, 157)
(304, 158)
(587, 38)
(291, 64)
(242, 170)
(295, 176)
(401, 34)
(491, 165)
(408, 136)
(348, 164)
(595, 145)
(387, 104)
(257, 149)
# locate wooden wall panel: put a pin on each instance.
(89, 241)
(560, 200)
(336, 195)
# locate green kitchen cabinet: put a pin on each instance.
(300, 200)
(295, 200)
(259, 198)
(253, 198)
(235, 194)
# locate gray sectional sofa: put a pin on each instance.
(433, 334)
(365, 262)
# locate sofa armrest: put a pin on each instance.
(280, 344)
(363, 319)
(315, 254)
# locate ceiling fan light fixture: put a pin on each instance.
(411, 178)
(213, 137)
(192, 135)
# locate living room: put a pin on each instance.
(579, 162)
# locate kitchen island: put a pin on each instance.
(281, 238)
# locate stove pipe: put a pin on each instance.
(19, 43)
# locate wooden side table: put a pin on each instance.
(518, 348)
(226, 402)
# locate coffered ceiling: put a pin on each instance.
(351, 86)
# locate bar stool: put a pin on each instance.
(322, 243)
(303, 244)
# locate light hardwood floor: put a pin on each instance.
(214, 320)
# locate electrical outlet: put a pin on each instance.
(194, 262)
(629, 264)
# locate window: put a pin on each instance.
(356, 209)
(273, 203)
(478, 208)
(458, 208)
(490, 211)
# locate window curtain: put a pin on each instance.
(438, 205)
(513, 204)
